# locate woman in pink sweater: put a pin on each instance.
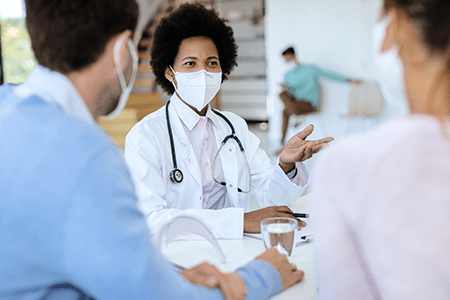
(382, 200)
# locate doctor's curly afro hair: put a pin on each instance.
(190, 20)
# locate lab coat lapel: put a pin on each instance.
(228, 157)
(184, 148)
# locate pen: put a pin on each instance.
(306, 239)
(297, 215)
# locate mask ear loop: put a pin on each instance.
(134, 57)
(126, 89)
(172, 81)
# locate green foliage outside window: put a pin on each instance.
(18, 59)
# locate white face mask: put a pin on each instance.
(126, 89)
(389, 68)
(198, 88)
(291, 65)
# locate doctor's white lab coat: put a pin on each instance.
(148, 155)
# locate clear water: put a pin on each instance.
(279, 235)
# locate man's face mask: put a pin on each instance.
(126, 89)
(291, 65)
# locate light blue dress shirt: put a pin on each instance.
(303, 82)
(68, 208)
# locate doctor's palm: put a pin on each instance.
(298, 149)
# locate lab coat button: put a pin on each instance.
(231, 150)
(230, 185)
(206, 163)
(189, 160)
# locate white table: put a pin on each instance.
(239, 252)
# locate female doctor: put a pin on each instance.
(189, 158)
(381, 215)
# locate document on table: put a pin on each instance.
(304, 232)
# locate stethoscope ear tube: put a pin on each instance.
(176, 176)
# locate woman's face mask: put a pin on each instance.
(198, 88)
(389, 68)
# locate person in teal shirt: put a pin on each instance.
(302, 91)
(69, 224)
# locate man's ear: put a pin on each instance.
(169, 74)
(121, 42)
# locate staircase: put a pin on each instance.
(244, 93)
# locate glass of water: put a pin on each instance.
(280, 233)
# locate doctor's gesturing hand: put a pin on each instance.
(297, 149)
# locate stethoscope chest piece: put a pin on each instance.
(176, 176)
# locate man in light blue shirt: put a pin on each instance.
(302, 91)
(69, 225)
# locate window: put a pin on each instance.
(17, 58)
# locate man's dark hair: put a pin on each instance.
(69, 35)
(289, 50)
(190, 20)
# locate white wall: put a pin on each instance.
(333, 34)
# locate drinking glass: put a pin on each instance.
(280, 233)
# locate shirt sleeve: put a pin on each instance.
(329, 75)
(107, 249)
(302, 178)
(270, 185)
(262, 280)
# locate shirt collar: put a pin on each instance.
(189, 117)
(56, 88)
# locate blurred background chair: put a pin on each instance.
(365, 107)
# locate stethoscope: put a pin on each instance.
(176, 176)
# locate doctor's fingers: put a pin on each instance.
(283, 208)
(305, 132)
(323, 140)
(308, 153)
(312, 148)
(286, 212)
